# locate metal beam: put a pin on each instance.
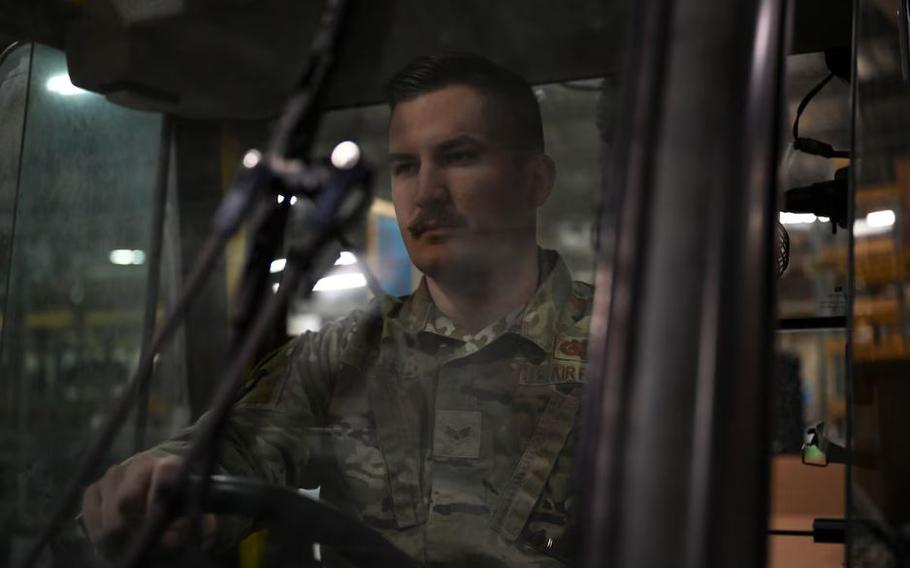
(677, 422)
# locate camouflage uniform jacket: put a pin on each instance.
(457, 447)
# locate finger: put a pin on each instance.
(209, 525)
(91, 510)
(179, 531)
(132, 493)
(165, 471)
(176, 533)
(112, 521)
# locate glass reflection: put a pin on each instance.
(435, 366)
(566, 221)
(80, 257)
(880, 495)
(13, 86)
(808, 387)
(77, 279)
(814, 283)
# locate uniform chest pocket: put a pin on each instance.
(357, 454)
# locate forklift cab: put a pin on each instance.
(730, 179)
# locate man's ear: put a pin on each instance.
(541, 176)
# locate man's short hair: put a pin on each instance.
(509, 92)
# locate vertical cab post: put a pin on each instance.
(676, 423)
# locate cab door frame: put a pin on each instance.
(676, 434)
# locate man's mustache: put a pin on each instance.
(434, 219)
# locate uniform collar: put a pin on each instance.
(539, 321)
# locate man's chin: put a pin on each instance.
(431, 266)
(439, 260)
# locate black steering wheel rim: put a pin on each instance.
(293, 513)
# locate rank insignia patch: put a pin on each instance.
(457, 434)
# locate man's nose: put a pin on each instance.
(432, 187)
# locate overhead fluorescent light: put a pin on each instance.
(875, 223)
(299, 323)
(344, 281)
(787, 218)
(127, 257)
(278, 265)
(884, 218)
(251, 159)
(345, 155)
(346, 258)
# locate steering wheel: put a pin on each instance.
(301, 521)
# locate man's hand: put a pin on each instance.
(113, 507)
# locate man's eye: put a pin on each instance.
(403, 168)
(460, 156)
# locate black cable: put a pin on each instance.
(265, 234)
(154, 273)
(783, 532)
(5, 327)
(227, 219)
(294, 132)
(124, 404)
(811, 145)
(231, 212)
(161, 512)
(806, 100)
(300, 260)
(291, 140)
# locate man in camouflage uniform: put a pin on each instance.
(446, 419)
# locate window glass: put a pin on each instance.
(809, 385)
(880, 323)
(13, 85)
(566, 222)
(573, 127)
(812, 291)
(439, 408)
(813, 361)
(468, 401)
(814, 283)
(812, 295)
(73, 313)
